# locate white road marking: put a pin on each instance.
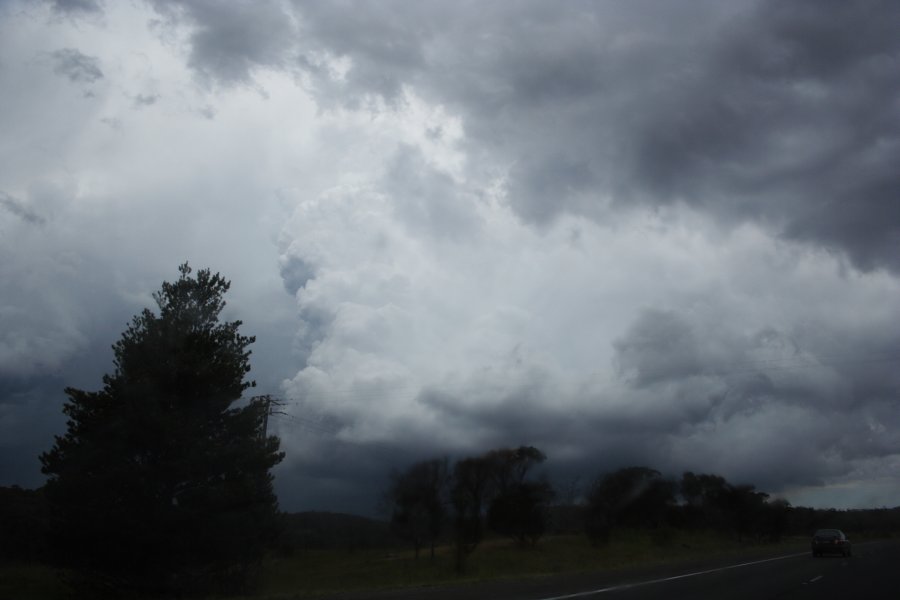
(815, 579)
(626, 586)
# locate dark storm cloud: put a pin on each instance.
(230, 40)
(295, 272)
(785, 114)
(584, 442)
(17, 208)
(770, 384)
(75, 65)
(794, 121)
(142, 100)
(76, 7)
(748, 349)
(30, 414)
(342, 476)
(638, 305)
(31, 407)
(659, 346)
(385, 42)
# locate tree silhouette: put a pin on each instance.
(521, 511)
(471, 489)
(418, 501)
(161, 482)
(518, 508)
(634, 497)
(23, 524)
(510, 466)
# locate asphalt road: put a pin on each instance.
(872, 572)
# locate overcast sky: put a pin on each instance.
(629, 233)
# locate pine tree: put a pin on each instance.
(162, 480)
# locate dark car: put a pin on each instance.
(830, 541)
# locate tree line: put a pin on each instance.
(492, 489)
(431, 501)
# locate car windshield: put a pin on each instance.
(828, 533)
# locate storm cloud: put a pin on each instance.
(626, 233)
(78, 67)
(17, 208)
(76, 8)
(727, 108)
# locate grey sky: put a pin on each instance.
(627, 233)
(76, 66)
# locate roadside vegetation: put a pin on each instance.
(319, 554)
(314, 572)
(320, 572)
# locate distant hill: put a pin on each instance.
(316, 530)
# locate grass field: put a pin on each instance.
(317, 572)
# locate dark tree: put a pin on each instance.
(703, 489)
(518, 508)
(567, 508)
(418, 500)
(161, 483)
(746, 508)
(705, 499)
(477, 483)
(522, 511)
(776, 519)
(633, 497)
(23, 525)
(510, 466)
(471, 489)
(711, 502)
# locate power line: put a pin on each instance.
(310, 424)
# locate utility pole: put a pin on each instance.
(272, 406)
